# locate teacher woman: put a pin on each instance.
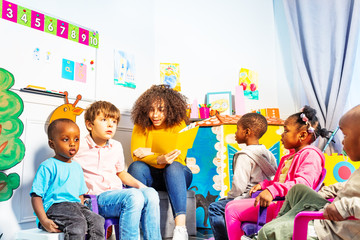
(161, 109)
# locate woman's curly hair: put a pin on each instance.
(175, 105)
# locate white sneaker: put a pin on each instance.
(180, 233)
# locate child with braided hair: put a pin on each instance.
(303, 164)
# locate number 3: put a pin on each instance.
(10, 13)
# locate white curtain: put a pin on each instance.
(324, 37)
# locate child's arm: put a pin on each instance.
(255, 188)
(331, 191)
(38, 207)
(81, 199)
(129, 180)
(331, 213)
(307, 170)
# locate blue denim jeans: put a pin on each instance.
(217, 219)
(133, 206)
(75, 220)
(175, 179)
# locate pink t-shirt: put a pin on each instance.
(101, 164)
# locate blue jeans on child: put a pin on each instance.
(217, 219)
(175, 179)
(133, 206)
(75, 220)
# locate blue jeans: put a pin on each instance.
(133, 206)
(75, 220)
(175, 179)
(217, 219)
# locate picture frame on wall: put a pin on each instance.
(220, 101)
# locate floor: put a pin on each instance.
(202, 233)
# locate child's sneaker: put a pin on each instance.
(180, 233)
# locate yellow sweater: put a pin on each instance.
(139, 139)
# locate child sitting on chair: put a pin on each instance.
(346, 194)
(303, 164)
(102, 160)
(251, 165)
(58, 188)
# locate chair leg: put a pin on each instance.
(117, 229)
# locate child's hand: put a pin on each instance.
(264, 198)
(331, 213)
(168, 158)
(50, 226)
(142, 152)
(255, 188)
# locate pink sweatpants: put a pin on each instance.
(243, 210)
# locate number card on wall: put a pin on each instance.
(39, 21)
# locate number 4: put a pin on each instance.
(24, 18)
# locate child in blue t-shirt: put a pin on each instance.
(58, 188)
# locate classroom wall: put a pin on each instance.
(211, 40)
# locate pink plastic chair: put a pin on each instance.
(301, 223)
(251, 228)
(108, 221)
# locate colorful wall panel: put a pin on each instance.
(211, 163)
(339, 168)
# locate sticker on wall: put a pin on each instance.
(170, 75)
(48, 57)
(36, 54)
(68, 69)
(80, 72)
(12, 149)
(124, 69)
(248, 79)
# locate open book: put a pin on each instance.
(164, 142)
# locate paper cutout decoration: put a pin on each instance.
(36, 20)
(24, 16)
(80, 72)
(170, 75)
(164, 142)
(67, 110)
(124, 69)
(248, 79)
(68, 68)
(12, 149)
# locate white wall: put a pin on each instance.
(210, 39)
